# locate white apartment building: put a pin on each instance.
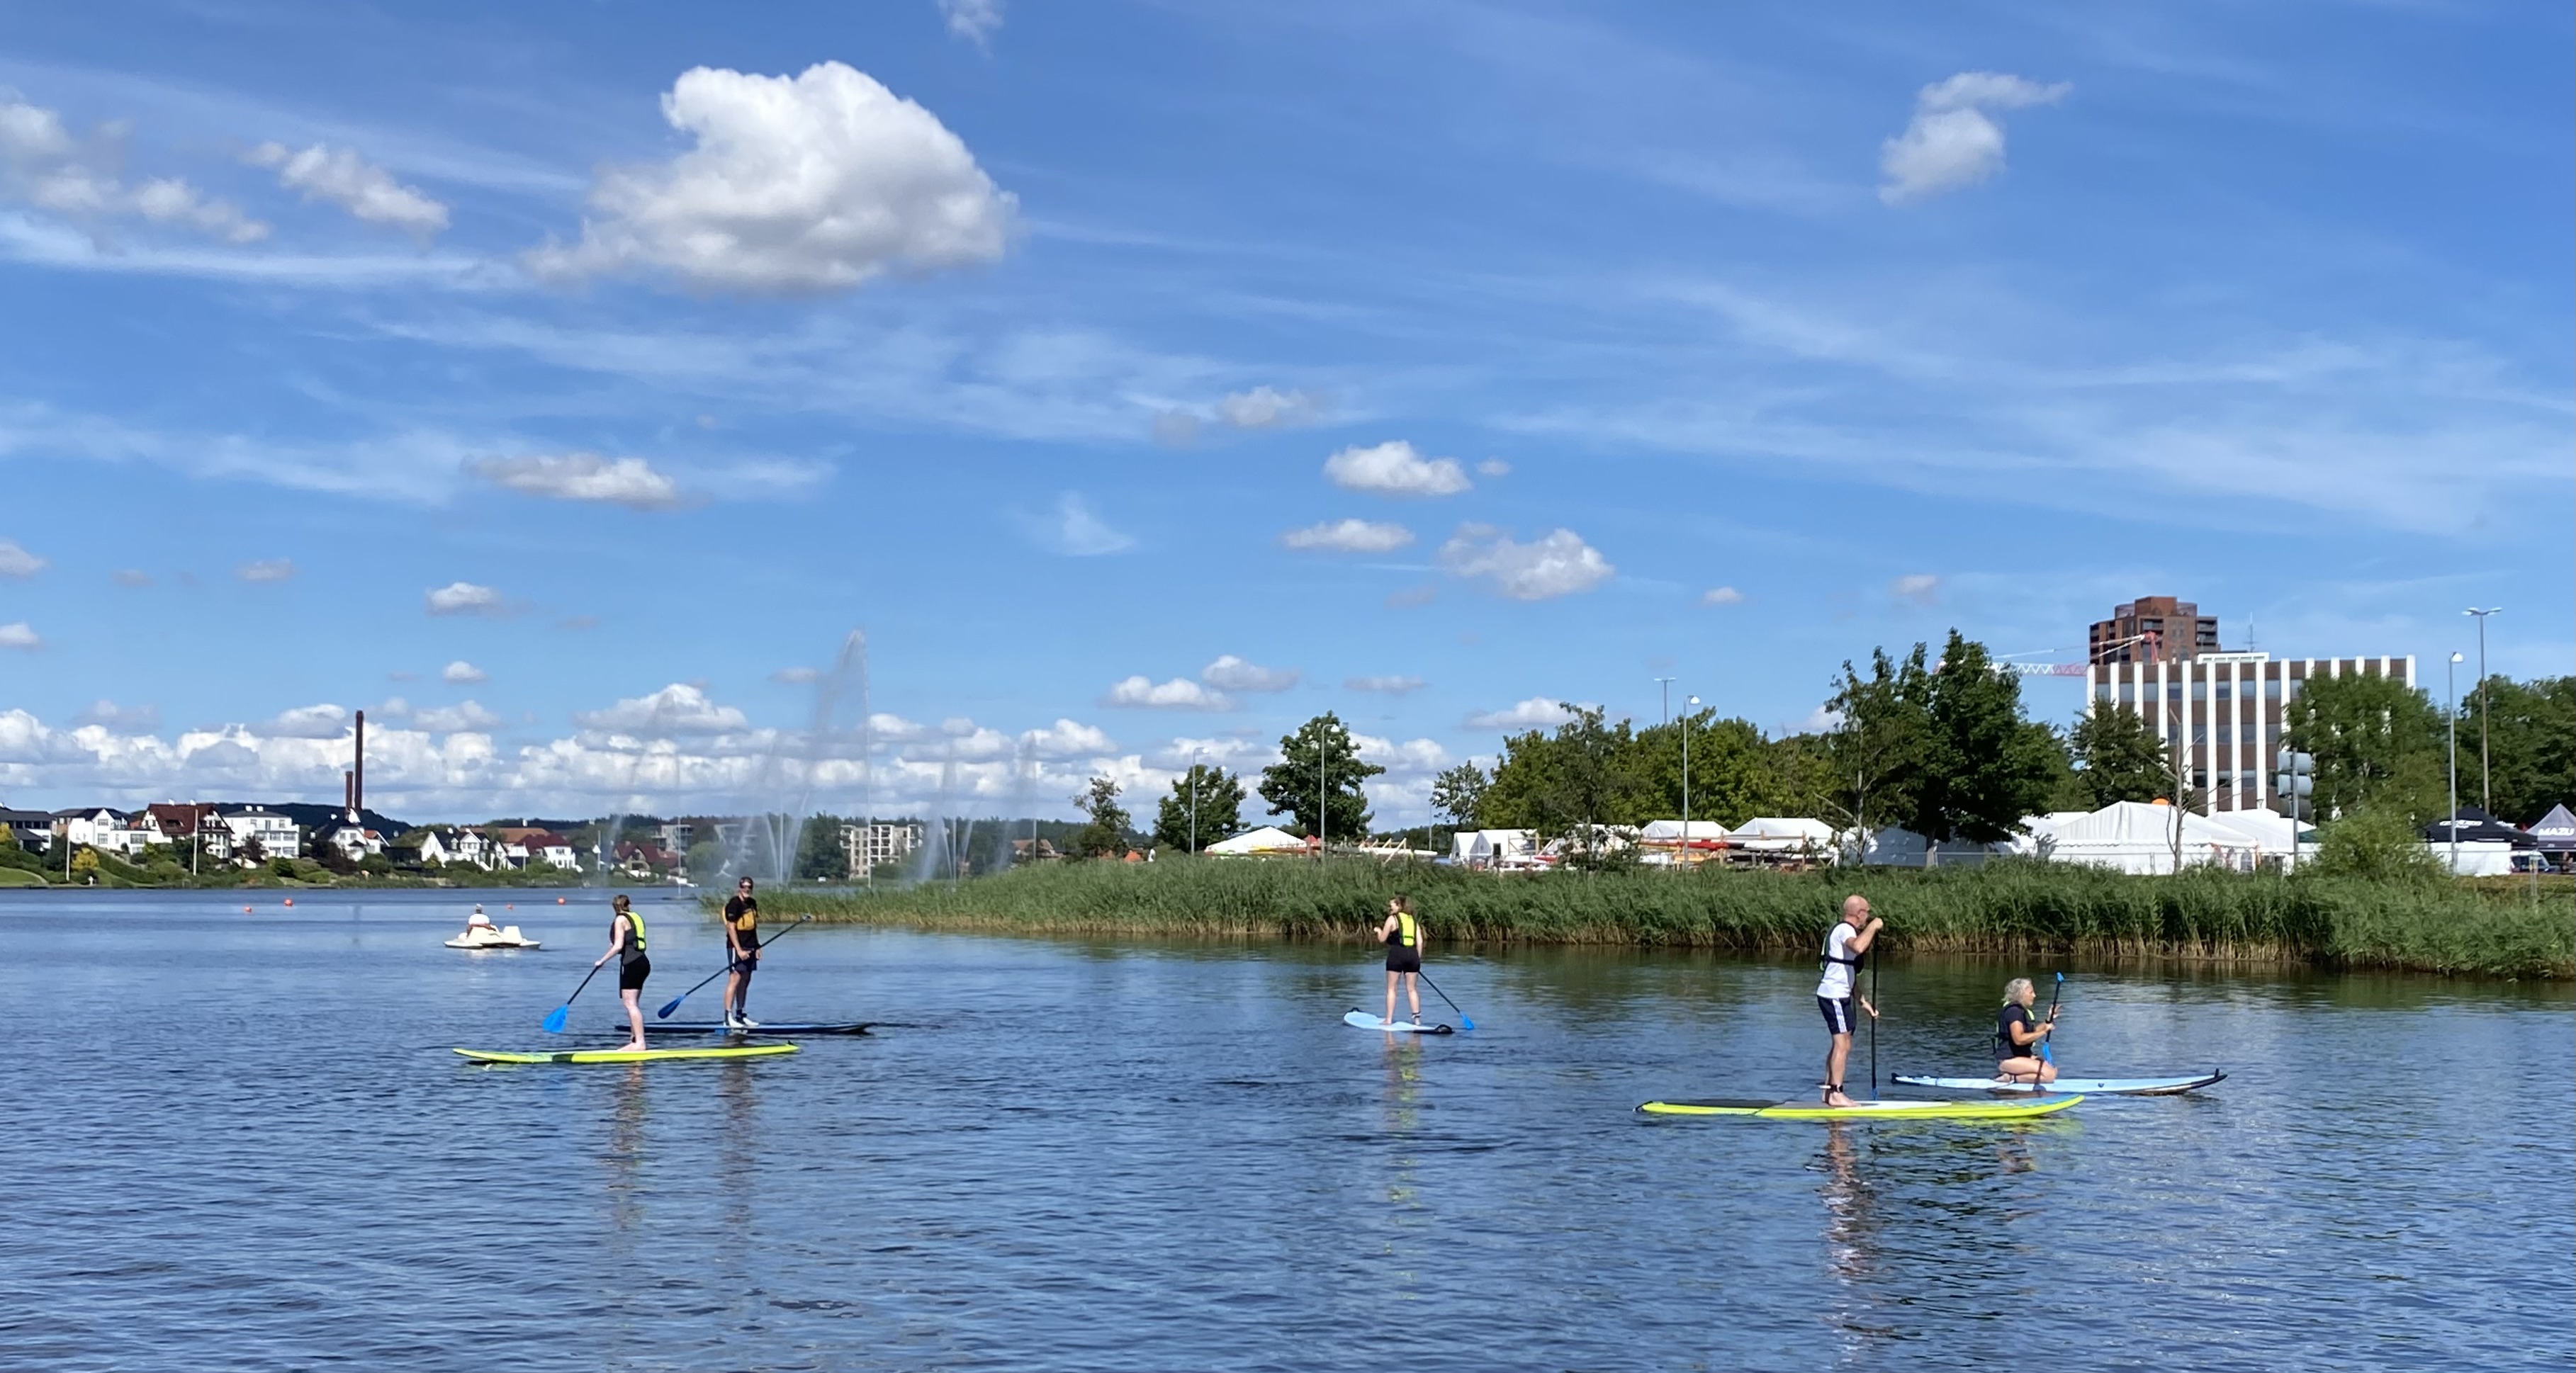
(278, 836)
(2228, 705)
(873, 845)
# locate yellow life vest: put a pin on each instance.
(1408, 934)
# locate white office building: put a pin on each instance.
(2228, 705)
(873, 846)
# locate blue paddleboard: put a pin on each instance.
(1363, 1020)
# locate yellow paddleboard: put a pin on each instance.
(1865, 1110)
(628, 1055)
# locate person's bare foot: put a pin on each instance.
(1834, 1097)
(635, 1048)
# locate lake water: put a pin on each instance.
(238, 1141)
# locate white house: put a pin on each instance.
(276, 835)
(97, 827)
(554, 851)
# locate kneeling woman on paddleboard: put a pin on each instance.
(626, 945)
(1402, 935)
(2019, 1038)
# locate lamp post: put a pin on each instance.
(1194, 801)
(2486, 795)
(1689, 707)
(1667, 684)
(2451, 710)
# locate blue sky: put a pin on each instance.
(1144, 378)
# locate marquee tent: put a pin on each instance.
(1267, 841)
(2555, 832)
(2135, 836)
(1783, 834)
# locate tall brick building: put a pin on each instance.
(2153, 629)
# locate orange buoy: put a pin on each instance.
(511, 907)
(290, 900)
(245, 910)
(558, 900)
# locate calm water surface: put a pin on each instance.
(238, 1141)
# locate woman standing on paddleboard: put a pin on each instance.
(2019, 1038)
(1845, 946)
(1402, 935)
(626, 945)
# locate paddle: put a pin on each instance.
(2056, 995)
(674, 1003)
(1463, 1022)
(1873, 1028)
(555, 1018)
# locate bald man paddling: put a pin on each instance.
(1845, 946)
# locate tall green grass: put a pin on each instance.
(2003, 908)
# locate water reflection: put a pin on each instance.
(624, 1156)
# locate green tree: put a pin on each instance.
(1105, 828)
(2378, 744)
(1876, 753)
(1985, 766)
(1216, 798)
(1319, 760)
(2379, 844)
(1458, 792)
(2531, 746)
(821, 854)
(2122, 758)
(85, 862)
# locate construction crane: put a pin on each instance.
(2151, 638)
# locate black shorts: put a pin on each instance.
(1838, 1013)
(1401, 960)
(747, 964)
(630, 976)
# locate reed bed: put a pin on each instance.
(2003, 908)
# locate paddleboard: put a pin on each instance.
(2067, 1086)
(627, 1055)
(767, 1027)
(1365, 1021)
(1866, 1110)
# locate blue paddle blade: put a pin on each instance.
(1464, 1023)
(669, 1006)
(555, 1018)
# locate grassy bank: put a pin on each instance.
(2003, 909)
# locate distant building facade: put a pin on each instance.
(871, 846)
(2152, 629)
(2228, 706)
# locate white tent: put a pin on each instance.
(1670, 832)
(2478, 858)
(2135, 836)
(1269, 840)
(1493, 848)
(1783, 834)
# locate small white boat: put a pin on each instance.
(486, 937)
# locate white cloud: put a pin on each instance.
(324, 721)
(1558, 564)
(43, 165)
(1395, 469)
(465, 598)
(1383, 686)
(1348, 536)
(1721, 595)
(1264, 408)
(349, 181)
(1067, 739)
(18, 562)
(676, 709)
(463, 673)
(468, 716)
(630, 482)
(1493, 467)
(17, 635)
(815, 182)
(131, 577)
(1074, 529)
(1144, 693)
(976, 21)
(1176, 428)
(1824, 719)
(266, 570)
(1230, 673)
(795, 676)
(1953, 141)
(1920, 588)
(1538, 712)
(127, 719)
(1411, 758)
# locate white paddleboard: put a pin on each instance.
(1363, 1020)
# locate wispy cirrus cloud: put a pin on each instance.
(582, 477)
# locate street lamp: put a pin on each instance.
(1689, 707)
(2486, 795)
(1667, 684)
(2451, 687)
(1194, 801)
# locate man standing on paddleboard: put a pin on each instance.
(1845, 946)
(1402, 935)
(626, 945)
(742, 947)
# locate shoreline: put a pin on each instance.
(2003, 910)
